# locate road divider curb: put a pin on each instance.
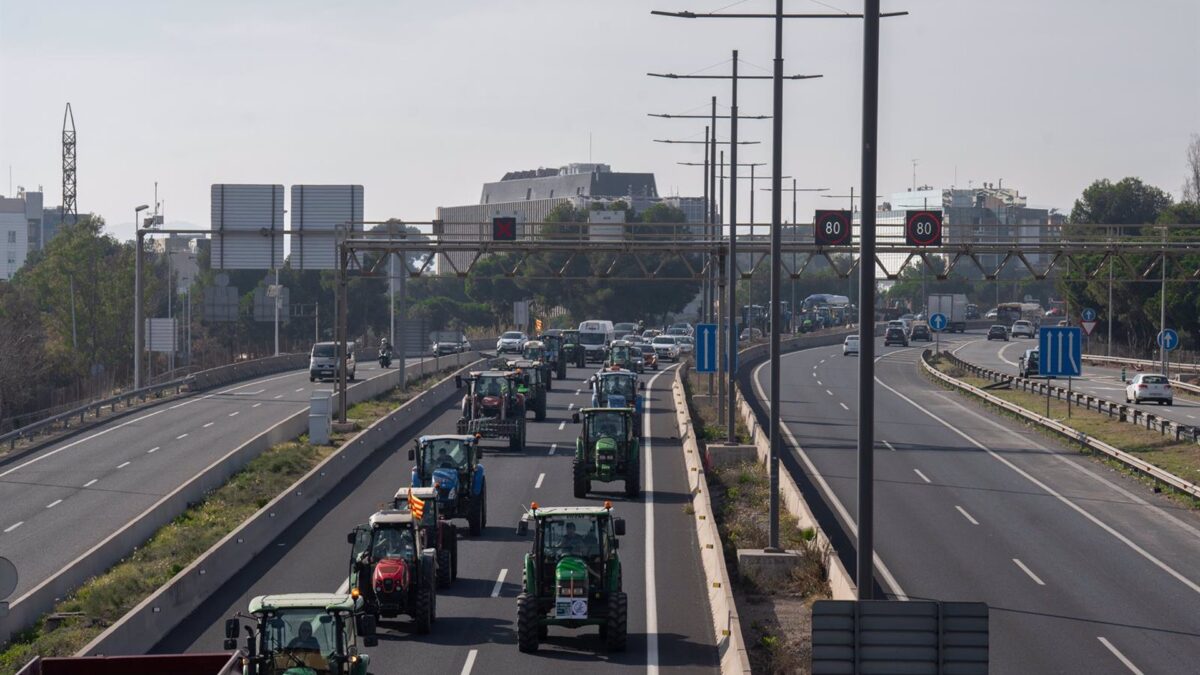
(731, 647)
(1070, 433)
(152, 619)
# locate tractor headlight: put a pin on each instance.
(453, 493)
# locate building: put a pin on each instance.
(530, 196)
(20, 230)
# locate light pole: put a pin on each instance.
(137, 297)
(795, 224)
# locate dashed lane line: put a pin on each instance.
(14, 526)
(470, 662)
(153, 450)
(1028, 571)
(562, 425)
(844, 406)
(966, 515)
(54, 503)
(923, 476)
(499, 583)
(538, 484)
(180, 437)
(1120, 657)
(122, 465)
(553, 447)
(91, 482)
(207, 425)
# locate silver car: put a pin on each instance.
(666, 347)
(512, 341)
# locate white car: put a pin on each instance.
(666, 347)
(1145, 387)
(850, 346)
(687, 345)
(1023, 328)
(512, 341)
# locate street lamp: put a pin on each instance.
(137, 297)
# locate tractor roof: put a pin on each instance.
(534, 343)
(607, 411)
(465, 438)
(524, 363)
(618, 373)
(545, 511)
(391, 517)
(418, 492)
(492, 373)
(339, 602)
(621, 343)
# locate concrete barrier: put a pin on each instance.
(147, 623)
(731, 646)
(29, 607)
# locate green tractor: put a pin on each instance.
(554, 349)
(572, 576)
(621, 355)
(531, 384)
(537, 353)
(305, 634)
(572, 349)
(608, 449)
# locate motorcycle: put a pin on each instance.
(385, 358)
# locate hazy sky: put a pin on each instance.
(422, 102)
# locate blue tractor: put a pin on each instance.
(617, 389)
(450, 464)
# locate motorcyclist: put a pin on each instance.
(385, 347)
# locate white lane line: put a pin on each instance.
(538, 484)
(570, 407)
(1028, 571)
(829, 392)
(562, 425)
(820, 383)
(844, 406)
(256, 404)
(256, 382)
(82, 440)
(923, 476)
(499, 583)
(1191, 417)
(822, 361)
(1052, 492)
(180, 437)
(207, 425)
(54, 503)
(1004, 349)
(1120, 657)
(91, 482)
(300, 390)
(889, 446)
(235, 413)
(888, 577)
(650, 562)
(577, 391)
(470, 662)
(553, 447)
(814, 375)
(151, 451)
(256, 392)
(966, 515)
(278, 396)
(123, 465)
(14, 526)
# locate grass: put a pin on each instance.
(105, 599)
(1181, 458)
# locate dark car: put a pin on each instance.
(895, 336)
(998, 332)
(920, 331)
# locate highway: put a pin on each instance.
(1096, 380)
(1085, 570)
(669, 622)
(62, 499)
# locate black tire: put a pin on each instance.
(445, 571)
(483, 506)
(527, 623)
(312, 379)
(475, 516)
(633, 480)
(616, 623)
(580, 480)
(539, 409)
(549, 380)
(423, 616)
(453, 553)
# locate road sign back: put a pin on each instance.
(706, 348)
(1060, 351)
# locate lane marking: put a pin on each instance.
(820, 383)
(180, 437)
(470, 662)
(884, 572)
(578, 391)
(562, 425)
(889, 446)
(256, 392)
(844, 406)
(1120, 657)
(966, 515)
(923, 476)
(1028, 571)
(538, 484)
(235, 413)
(344, 588)
(499, 583)
(10, 528)
(570, 407)
(553, 447)
(822, 361)
(278, 395)
(1004, 349)
(300, 390)
(91, 482)
(54, 503)
(151, 451)
(82, 440)
(829, 392)
(123, 465)
(257, 382)
(207, 425)
(1053, 493)
(256, 404)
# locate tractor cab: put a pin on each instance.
(422, 504)
(621, 355)
(537, 353)
(493, 407)
(572, 574)
(608, 449)
(532, 384)
(450, 465)
(392, 568)
(554, 352)
(572, 348)
(305, 633)
(617, 389)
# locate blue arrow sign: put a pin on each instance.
(1089, 314)
(1168, 339)
(1060, 351)
(938, 322)
(706, 348)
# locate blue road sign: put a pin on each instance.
(1168, 339)
(938, 321)
(706, 348)
(1060, 351)
(1089, 314)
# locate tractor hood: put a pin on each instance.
(446, 481)
(390, 576)
(570, 568)
(490, 402)
(606, 444)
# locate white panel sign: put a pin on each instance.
(247, 224)
(316, 211)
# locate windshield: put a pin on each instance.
(1154, 379)
(511, 335)
(620, 353)
(534, 353)
(444, 453)
(647, 349)
(492, 386)
(591, 338)
(570, 535)
(324, 351)
(307, 629)
(617, 385)
(393, 542)
(664, 340)
(607, 425)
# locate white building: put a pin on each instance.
(20, 230)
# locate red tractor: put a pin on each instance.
(493, 408)
(393, 570)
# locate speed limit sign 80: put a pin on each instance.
(923, 228)
(831, 228)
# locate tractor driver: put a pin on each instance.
(445, 460)
(393, 543)
(490, 387)
(571, 543)
(304, 639)
(607, 426)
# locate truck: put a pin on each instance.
(954, 306)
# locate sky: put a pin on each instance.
(422, 102)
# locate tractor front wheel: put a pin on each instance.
(423, 613)
(453, 552)
(475, 516)
(579, 473)
(633, 479)
(549, 379)
(527, 623)
(539, 409)
(615, 627)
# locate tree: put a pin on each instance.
(1126, 202)
(1191, 184)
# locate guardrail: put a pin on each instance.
(1140, 364)
(1120, 411)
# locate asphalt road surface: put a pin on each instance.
(63, 499)
(1085, 569)
(669, 621)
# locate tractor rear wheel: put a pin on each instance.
(581, 482)
(445, 569)
(483, 506)
(527, 623)
(548, 379)
(539, 409)
(475, 516)
(453, 552)
(633, 479)
(423, 612)
(615, 633)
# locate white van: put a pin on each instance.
(322, 361)
(595, 337)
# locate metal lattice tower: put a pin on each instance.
(69, 208)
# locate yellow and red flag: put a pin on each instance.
(416, 506)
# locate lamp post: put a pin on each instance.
(137, 297)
